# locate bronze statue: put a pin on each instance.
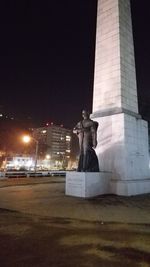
(86, 131)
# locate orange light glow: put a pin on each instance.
(26, 138)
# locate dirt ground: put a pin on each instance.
(45, 240)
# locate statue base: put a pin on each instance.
(87, 184)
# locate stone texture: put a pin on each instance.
(129, 188)
(123, 150)
(122, 134)
(115, 78)
(123, 146)
(87, 184)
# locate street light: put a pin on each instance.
(27, 139)
(48, 156)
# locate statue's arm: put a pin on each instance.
(77, 129)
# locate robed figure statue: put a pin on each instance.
(86, 131)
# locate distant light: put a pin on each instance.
(48, 156)
(1, 115)
(15, 162)
(68, 138)
(26, 138)
(68, 150)
(29, 163)
(44, 131)
(52, 123)
(47, 124)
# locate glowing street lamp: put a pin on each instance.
(28, 139)
(48, 156)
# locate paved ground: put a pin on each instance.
(40, 226)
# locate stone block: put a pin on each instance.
(130, 188)
(123, 150)
(87, 184)
(114, 47)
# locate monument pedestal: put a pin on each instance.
(87, 184)
(130, 188)
(123, 150)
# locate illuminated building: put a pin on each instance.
(18, 163)
(54, 145)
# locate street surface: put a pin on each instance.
(40, 226)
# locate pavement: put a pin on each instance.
(40, 226)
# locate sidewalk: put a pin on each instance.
(40, 226)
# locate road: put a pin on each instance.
(46, 197)
(41, 227)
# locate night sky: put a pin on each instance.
(47, 58)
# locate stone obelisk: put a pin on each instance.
(122, 134)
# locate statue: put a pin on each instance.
(86, 131)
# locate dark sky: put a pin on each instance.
(47, 57)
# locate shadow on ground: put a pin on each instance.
(27, 240)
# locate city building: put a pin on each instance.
(18, 163)
(54, 146)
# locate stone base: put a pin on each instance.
(87, 184)
(123, 150)
(130, 188)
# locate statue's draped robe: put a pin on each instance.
(88, 161)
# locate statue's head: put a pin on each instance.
(85, 114)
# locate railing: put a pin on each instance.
(15, 174)
(23, 174)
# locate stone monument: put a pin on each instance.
(87, 181)
(122, 134)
